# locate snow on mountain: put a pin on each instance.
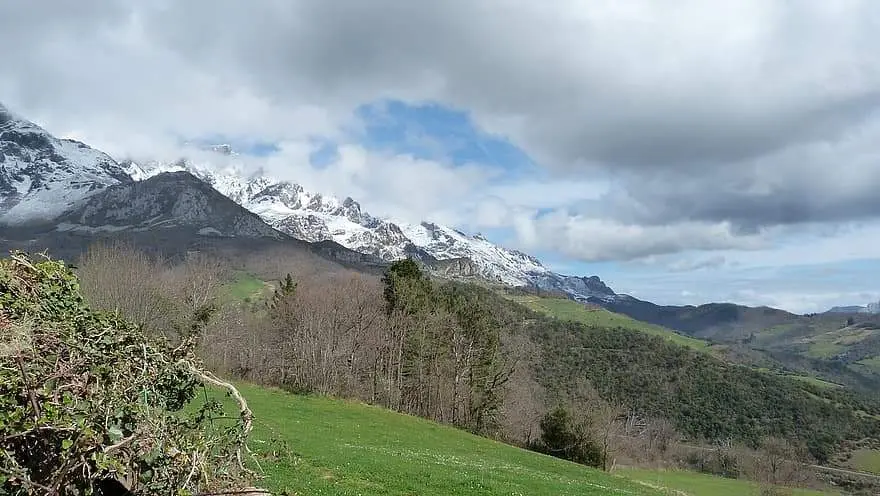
(314, 217)
(290, 209)
(42, 176)
(495, 263)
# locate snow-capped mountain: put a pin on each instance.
(314, 217)
(290, 209)
(42, 176)
(46, 180)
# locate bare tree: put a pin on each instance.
(524, 398)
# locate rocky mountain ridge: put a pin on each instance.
(314, 217)
(56, 182)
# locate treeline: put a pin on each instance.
(464, 355)
(706, 399)
(402, 342)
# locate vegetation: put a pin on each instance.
(595, 316)
(466, 356)
(691, 483)
(829, 346)
(316, 445)
(87, 398)
(705, 398)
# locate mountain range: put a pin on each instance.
(66, 187)
(46, 180)
(62, 195)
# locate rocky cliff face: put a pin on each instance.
(171, 200)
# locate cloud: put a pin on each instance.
(661, 128)
(593, 239)
(697, 264)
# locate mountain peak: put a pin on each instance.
(176, 200)
(315, 217)
(43, 176)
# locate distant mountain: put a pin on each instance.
(165, 201)
(69, 187)
(717, 321)
(314, 217)
(42, 176)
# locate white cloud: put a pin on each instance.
(595, 239)
(743, 128)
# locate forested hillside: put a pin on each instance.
(467, 356)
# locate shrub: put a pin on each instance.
(86, 396)
(563, 437)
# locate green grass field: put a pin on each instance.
(693, 484)
(309, 445)
(824, 349)
(339, 447)
(572, 310)
(244, 285)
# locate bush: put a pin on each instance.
(563, 437)
(719, 461)
(86, 396)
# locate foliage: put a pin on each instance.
(707, 399)
(449, 337)
(86, 396)
(286, 289)
(563, 437)
(405, 286)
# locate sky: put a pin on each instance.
(684, 151)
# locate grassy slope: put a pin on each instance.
(690, 483)
(327, 446)
(346, 448)
(872, 363)
(572, 310)
(244, 285)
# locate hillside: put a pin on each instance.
(662, 374)
(837, 347)
(327, 446)
(596, 316)
(313, 445)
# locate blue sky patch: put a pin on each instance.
(436, 132)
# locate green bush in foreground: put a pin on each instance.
(87, 396)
